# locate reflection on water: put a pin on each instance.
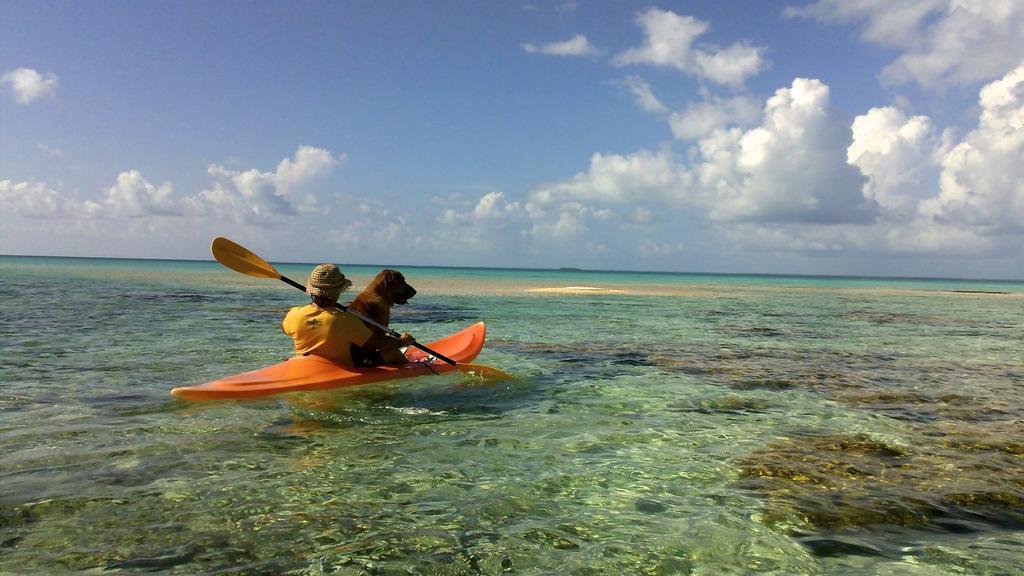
(715, 425)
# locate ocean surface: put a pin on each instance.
(688, 424)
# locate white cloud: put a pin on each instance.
(263, 197)
(894, 24)
(982, 180)
(643, 96)
(249, 196)
(134, 196)
(493, 205)
(578, 45)
(28, 85)
(307, 164)
(942, 41)
(899, 156)
(37, 200)
(30, 199)
(730, 66)
(492, 208)
(935, 198)
(568, 220)
(618, 179)
(700, 119)
(792, 168)
(670, 41)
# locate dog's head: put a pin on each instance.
(393, 284)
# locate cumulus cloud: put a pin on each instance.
(578, 45)
(27, 85)
(982, 180)
(791, 168)
(248, 196)
(261, 197)
(134, 196)
(792, 174)
(935, 196)
(670, 42)
(942, 41)
(307, 164)
(30, 199)
(493, 205)
(37, 200)
(700, 119)
(619, 179)
(491, 208)
(898, 155)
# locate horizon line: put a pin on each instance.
(560, 269)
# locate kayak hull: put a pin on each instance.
(308, 373)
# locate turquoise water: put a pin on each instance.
(692, 424)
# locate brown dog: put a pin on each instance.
(387, 289)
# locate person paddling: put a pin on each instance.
(321, 329)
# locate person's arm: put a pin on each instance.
(406, 339)
(286, 325)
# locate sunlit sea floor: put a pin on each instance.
(690, 425)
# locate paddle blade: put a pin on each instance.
(239, 259)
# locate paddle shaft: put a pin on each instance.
(375, 324)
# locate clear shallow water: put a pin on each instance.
(694, 425)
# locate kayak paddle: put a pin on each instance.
(240, 259)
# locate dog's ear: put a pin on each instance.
(387, 278)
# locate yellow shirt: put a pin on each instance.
(328, 333)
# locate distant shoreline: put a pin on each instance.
(551, 270)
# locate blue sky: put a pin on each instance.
(833, 137)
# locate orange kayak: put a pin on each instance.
(306, 373)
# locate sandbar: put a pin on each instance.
(577, 290)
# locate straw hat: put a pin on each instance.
(327, 281)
